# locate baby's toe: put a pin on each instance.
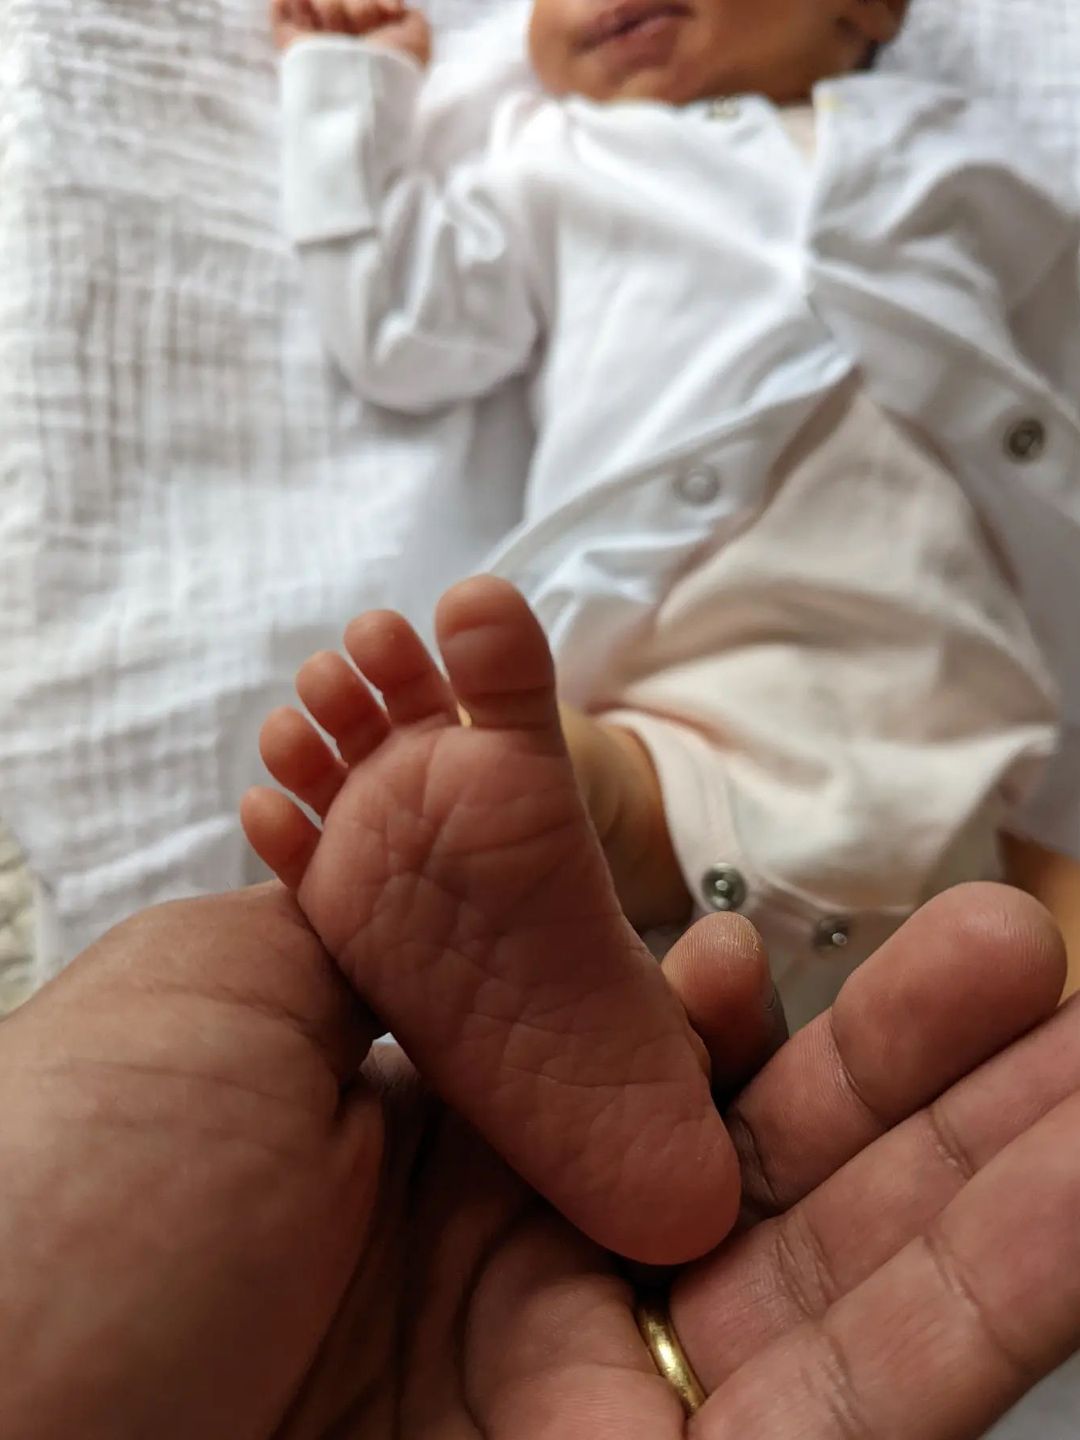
(497, 656)
(299, 759)
(339, 701)
(388, 652)
(280, 834)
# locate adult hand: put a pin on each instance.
(207, 1227)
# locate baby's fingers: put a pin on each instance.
(329, 15)
(291, 20)
(362, 16)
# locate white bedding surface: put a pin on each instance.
(16, 925)
(190, 499)
(1025, 53)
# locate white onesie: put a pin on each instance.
(804, 486)
(853, 666)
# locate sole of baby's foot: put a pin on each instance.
(457, 880)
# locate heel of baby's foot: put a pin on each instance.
(280, 834)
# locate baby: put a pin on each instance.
(802, 508)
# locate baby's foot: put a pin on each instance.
(461, 887)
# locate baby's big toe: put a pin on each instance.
(497, 656)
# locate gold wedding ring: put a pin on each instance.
(654, 1322)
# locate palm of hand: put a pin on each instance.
(492, 1316)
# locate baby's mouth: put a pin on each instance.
(614, 22)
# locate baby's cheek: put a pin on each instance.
(552, 57)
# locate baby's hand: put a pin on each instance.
(383, 22)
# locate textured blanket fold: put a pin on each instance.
(189, 501)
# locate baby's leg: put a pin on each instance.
(622, 791)
(460, 885)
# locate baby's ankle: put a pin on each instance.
(622, 792)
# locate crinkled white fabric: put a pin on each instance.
(1025, 53)
(189, 501)
(16, 925)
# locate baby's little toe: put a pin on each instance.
(280, 834)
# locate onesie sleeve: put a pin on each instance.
(420, 283)
(1042, 537)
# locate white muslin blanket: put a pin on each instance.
(1024, 53)
(190, 499)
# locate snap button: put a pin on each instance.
(699, 486)
(833, 934)
(1026, 440)
(724, 888)
(725, 107)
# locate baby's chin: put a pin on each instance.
(655, 85)
(660, 89)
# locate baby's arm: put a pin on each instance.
(421, 286)
(1053, 879)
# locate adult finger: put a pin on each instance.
(951, 1332)
(973, 970)
(794, 1267)
(720, 972)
